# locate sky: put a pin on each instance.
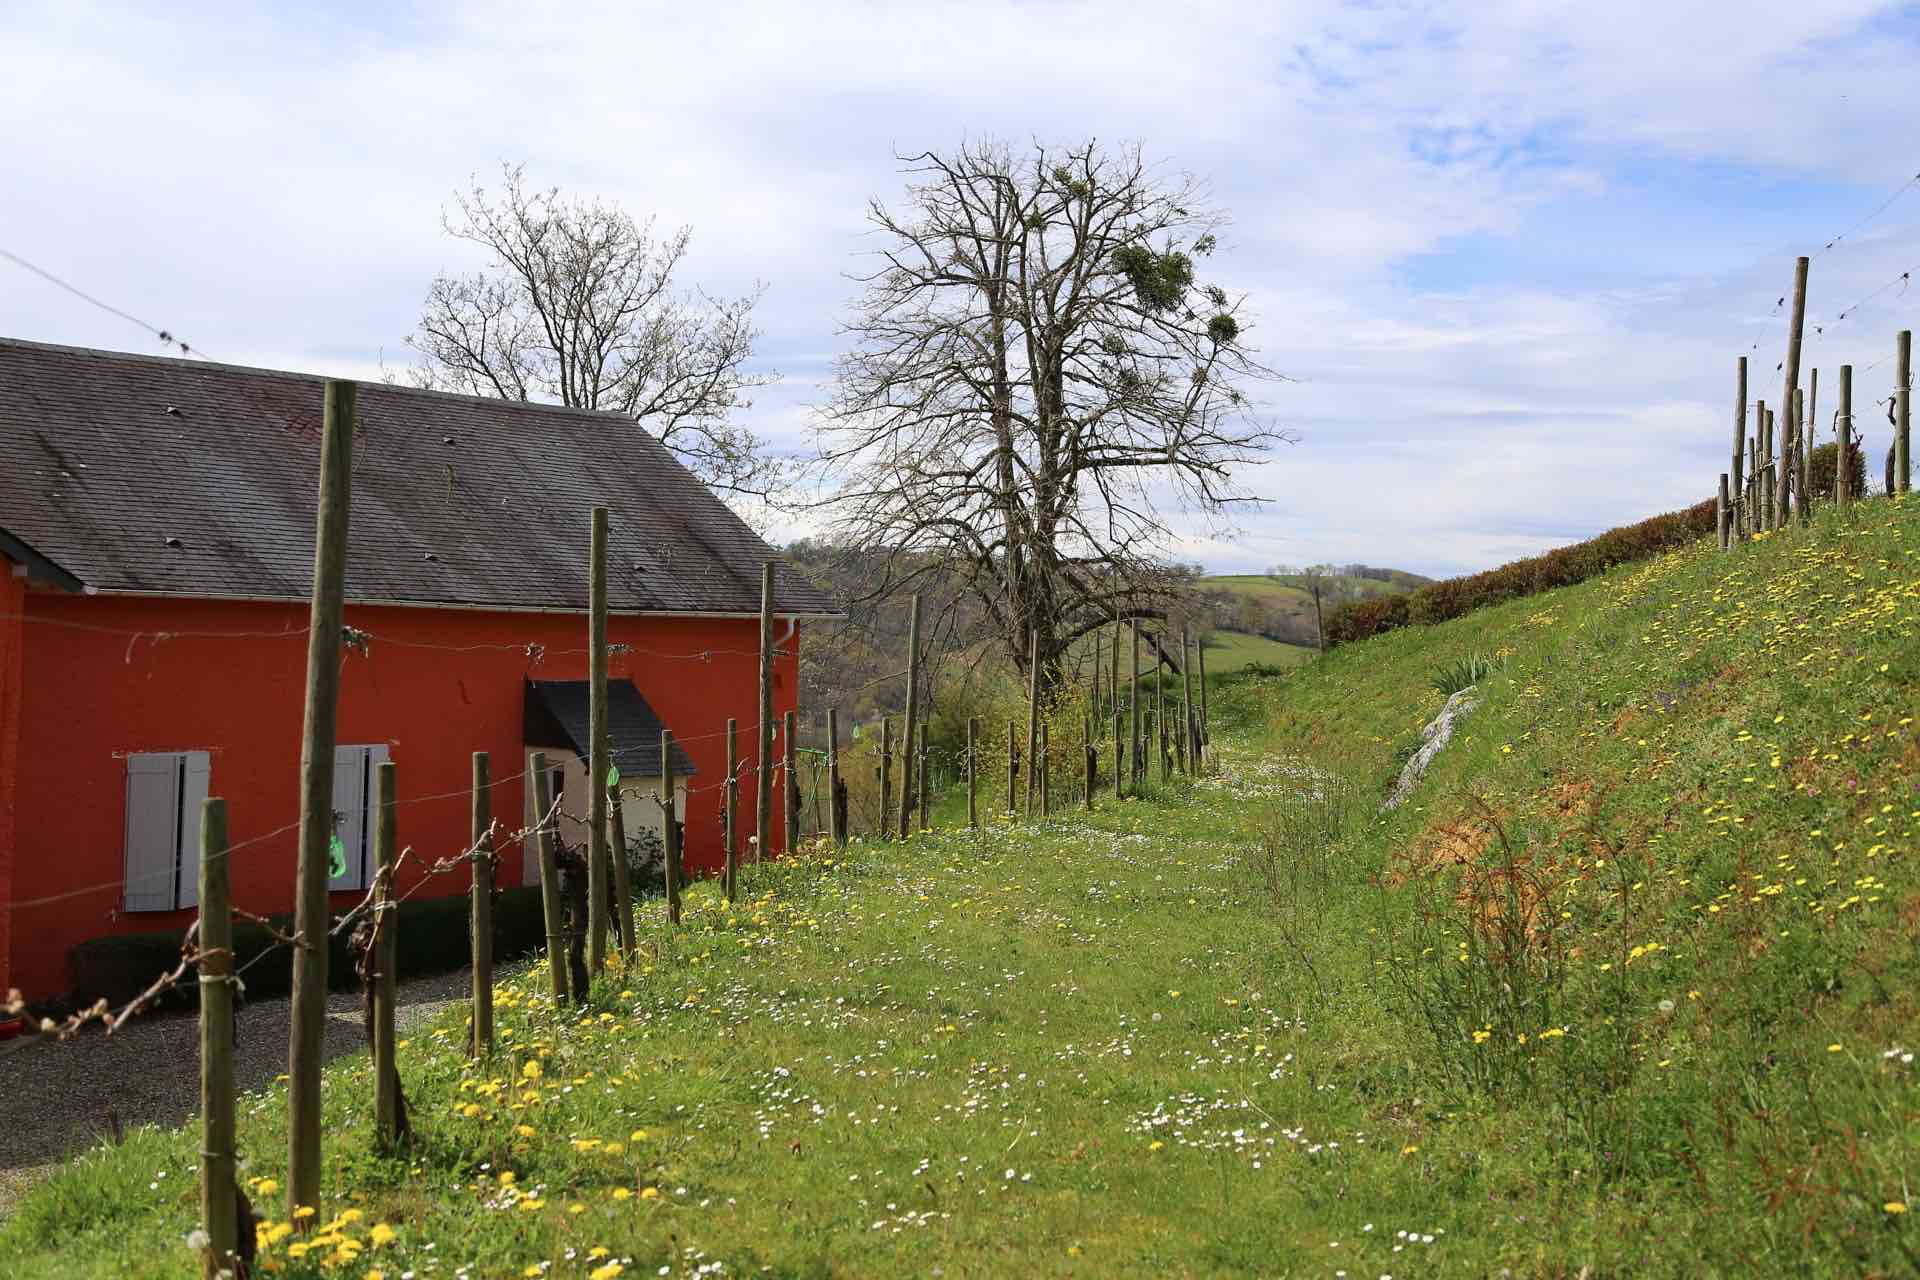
(1506, 253)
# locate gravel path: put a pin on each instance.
(54, 1096)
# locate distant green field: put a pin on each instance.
(1233, 650)
(1289, 591)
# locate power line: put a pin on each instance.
(163, 335)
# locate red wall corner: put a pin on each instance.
(13, 607)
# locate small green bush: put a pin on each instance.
(1820, 469)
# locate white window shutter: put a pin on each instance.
(193, 797)
(152, 796)
(350, 812)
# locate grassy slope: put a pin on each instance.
(1112, 1046)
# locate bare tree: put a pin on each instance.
(1326, 584)
(578, 306)
(1035, 380)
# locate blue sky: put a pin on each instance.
(1509, 251)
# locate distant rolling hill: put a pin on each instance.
(1278, 613)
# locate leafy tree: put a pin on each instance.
(578, 306)
(1036, 378)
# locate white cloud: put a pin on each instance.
(269, 185)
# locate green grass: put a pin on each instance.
(1229, 651)
(1625, 990)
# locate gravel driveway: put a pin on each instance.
(54, 1096)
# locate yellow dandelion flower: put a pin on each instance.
(651, 1193)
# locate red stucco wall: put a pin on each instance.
(89, 697)
(12, 603)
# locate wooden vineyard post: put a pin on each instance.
(1187, 735)
(219, 1202)
(480, 917)
(1720, 512)
(1739, 441)
(1752, 522)
(1788, 403)
(670, 827)
(763, 761)
(1769, 474)
(1040, 769)
(308, 1011)
(886, 778)
(1843, 463)
(1092, 760)
(599, 760)
(1033, 711)
(1158, 734)
(973, 798)
(1113, 689)
(386, 938)
(730, 822)
(1903, 410)
(836, 821)
(1013, 771)
(1137, 765)
(549, 875)
(1203, 732)
(925, 822)
(790, 783)
(913, 714)
(1804, 449)
(622, 871)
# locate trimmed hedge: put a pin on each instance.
(1562, 567)
(432, 939)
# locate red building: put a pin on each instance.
(156, 543)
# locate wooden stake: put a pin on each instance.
(1092, 762)
(1809, 420)
(925, 804)
(1187, 734)
(1903, 409)
(219, 1203)
(480, 918)
(549, 875)
(1138, 771)
(1042, 770)
(1843, 470)
(310, 921)
(1159, 733)
(913, 716)
(622, 872)
(790, 783)
(1769, 474)
(886, 778)
(973, 807)
(1013, 771)
(599, 759)
(763, 762)
(386, 938)
(1033, 711)
(1739, 435)
(1788, 404)
(1720, 512)
(1204, 732)
(730, 824)
(670, 827)
(835, 819)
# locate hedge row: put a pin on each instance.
(1562, 567)
(432, 939)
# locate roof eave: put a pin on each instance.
(38, 567)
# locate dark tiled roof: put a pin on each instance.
(137, 473)
(559, 715)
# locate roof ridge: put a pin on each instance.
(201, 362)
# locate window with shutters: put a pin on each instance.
(165, 790)
(351, 853)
